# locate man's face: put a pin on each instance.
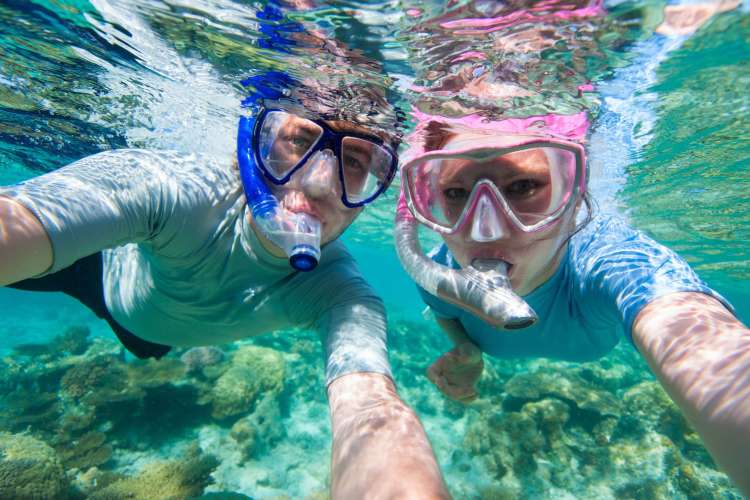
(316, 188)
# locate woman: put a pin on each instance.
(506, 197)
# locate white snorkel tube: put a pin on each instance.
(483, 288)
(297, 234)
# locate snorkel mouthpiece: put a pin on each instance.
(302, 242)
(493, 274)
(483, 289)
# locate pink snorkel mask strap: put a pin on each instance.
(483, 288)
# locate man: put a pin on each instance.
(182, 250)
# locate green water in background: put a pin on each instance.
(690, 187)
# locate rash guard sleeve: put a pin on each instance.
(349, 315)
(101, 201)
(630, 269)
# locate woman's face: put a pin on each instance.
(524, 179)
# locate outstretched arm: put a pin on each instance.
(25, 248)
(380, 449)
(701, 355)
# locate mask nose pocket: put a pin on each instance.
(486, 223)
(319, 175)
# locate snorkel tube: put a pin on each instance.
(483, 288)
(297, 234)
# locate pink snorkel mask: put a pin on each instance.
(527, 180)
(523, 172)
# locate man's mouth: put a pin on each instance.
(302, 208)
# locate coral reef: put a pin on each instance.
(261, 429)
(197, 359)
(74, 340)
(104, 426)
(557, 431)
(168, 480)
(255, 371)
(565, 386)
(89, 450)
(30, 469)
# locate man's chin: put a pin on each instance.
(330, 235)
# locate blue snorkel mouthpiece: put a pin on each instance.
(304, 258)
(297, 234)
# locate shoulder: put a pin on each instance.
(610, 237)
(166, 161)
(603, 230)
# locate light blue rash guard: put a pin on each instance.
(608, 274)
(183, 267)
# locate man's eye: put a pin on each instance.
(297, 141)
(522, 188)
(300, 142)
(455, 194)
(356, 163)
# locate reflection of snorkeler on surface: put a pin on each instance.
(504, 195)
(183, 250)
(467, 74)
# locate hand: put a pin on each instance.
(685, 19)
(457, 371)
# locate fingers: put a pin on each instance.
(442, 374)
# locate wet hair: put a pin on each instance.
(591, 208)
(436, 136)
(357, 94)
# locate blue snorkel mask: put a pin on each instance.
(274, 144)
(297, 234)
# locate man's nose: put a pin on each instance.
(319, 175)
(487, 224)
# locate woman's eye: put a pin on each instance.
(523, 187)
(455, 194)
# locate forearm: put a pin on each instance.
(454, 330)
(701, 354)
(25, 248)
(380, 449)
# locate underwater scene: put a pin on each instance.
(668, 150)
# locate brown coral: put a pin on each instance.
(172, 480)
(29, 469)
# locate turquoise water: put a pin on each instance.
(81, 77)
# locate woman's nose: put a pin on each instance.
(487, 224)
(318, 177)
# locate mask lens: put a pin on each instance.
(535, 183)
(432, 204)
(539, 182)
(285, 139)
(366, 168)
